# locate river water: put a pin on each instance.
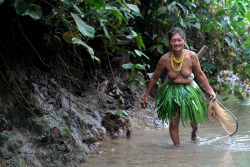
(154, 148)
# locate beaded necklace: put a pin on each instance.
(180, 61)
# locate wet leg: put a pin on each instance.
(174, 131)
(195, 126)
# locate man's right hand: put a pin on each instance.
(144, 102)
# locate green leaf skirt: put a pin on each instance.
(184, 101)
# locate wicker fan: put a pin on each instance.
(216, 111)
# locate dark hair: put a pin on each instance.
(176, 30)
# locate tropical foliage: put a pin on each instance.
(140, 27)
(223, 24)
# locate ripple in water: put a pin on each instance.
(156, 149)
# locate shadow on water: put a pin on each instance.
(155, 148)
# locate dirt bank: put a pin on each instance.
(47, 122)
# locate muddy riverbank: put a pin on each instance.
(47, 122)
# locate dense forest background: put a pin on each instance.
(107, 29)
(107, 45)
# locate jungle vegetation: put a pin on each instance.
(106, 28)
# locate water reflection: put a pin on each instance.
(155, 148)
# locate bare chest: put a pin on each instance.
(185, 71)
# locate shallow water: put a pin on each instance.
(155, 148)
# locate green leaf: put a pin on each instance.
(97, 3)
(85, 29)
(182, 23)
(242, 7)
(105, 30)
(88, 48)
(220, 12)
(139, 42)
(165, 41)
(248, 15)
(140, 67)
(211, 66)
(122, 99)
(112, 39)
(161, 10)
(32, 10)
(134, 34)
(63, 146)
(1, 2)
(126, 13)
(65, 1)
(204, 63)
(133, 7)
(137, 14)
(240, 19)
(4, 136)
(128, 66)
(152, 48)
(247, 69)
(196, 9)
(172, 6)
(198, 25)
(183, 8)
(133, 54)
(112, 25)
(123, 113)
(228, 40)
(246, 59)
(79, 11)
(117, 14)
(154, 36)
(108, 7)
(150, 74)
(139, 53)
(247, 50)
(233, 10)
(224, 23)
(160, 49)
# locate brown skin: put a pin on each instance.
(190, 65)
